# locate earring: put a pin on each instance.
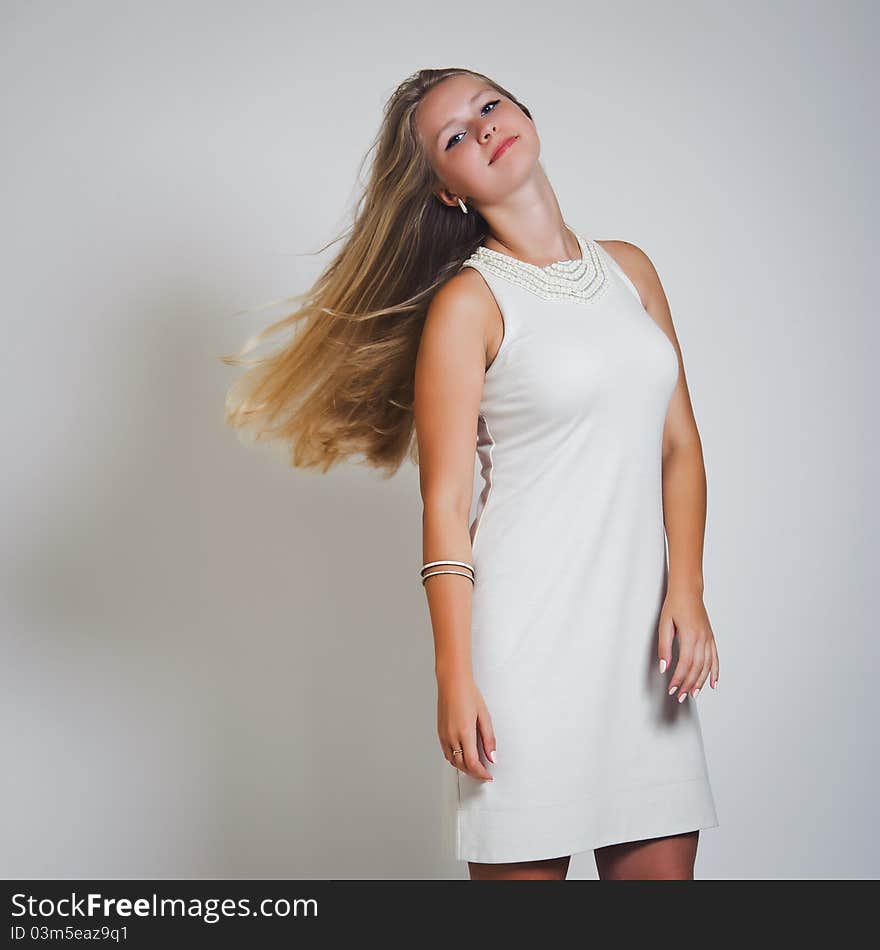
(463, 206)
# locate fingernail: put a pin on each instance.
(672, 689)
(696, 692)
(663, 666)
(492, 755)
(682, 697)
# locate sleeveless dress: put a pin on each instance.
(569, 551)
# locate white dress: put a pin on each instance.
(569, 550)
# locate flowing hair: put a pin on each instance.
(343, 384)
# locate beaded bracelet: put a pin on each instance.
(471, 576)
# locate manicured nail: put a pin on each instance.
(492, 755)
(696, 692)
(663, 666)
(672, 689)
(682, 697)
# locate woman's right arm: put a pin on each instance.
(450, 369)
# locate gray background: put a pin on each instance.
(216, 666)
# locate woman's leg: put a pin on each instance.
(669, 858)
(551, 869)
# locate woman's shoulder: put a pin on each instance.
(634, 262)
(463, 311)
(465, 292)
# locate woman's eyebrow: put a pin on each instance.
(470, 102)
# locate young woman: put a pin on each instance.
(464, 313)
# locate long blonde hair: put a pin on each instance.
(343, 385)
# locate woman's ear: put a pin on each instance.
(447, 198)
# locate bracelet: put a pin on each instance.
(470, 574)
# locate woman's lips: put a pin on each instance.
(503, 147)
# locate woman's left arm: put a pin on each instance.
(684, 505)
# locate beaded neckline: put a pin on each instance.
(582, 278)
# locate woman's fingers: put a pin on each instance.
(449, 751)
(664, 645)
(487, 734)
(704, 670)
(696, 662)
(691, 681)
(471, 760)
(713, 677)
(463, 722)
(682, 667)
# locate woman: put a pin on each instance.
(464, 312)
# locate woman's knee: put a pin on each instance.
(550, 869)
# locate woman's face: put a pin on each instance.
(461, 123)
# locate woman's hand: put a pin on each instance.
(461, 714)
(684, 612)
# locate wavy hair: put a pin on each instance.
(343, 384)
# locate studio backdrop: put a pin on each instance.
(216, 665)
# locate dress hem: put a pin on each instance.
(634, 814)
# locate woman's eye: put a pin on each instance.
(453, 141)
